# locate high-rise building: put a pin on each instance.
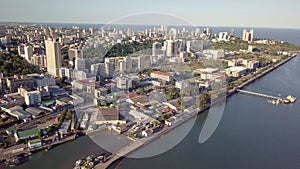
(248, 36)
(73, 53)
(28, 53)
(25, 51)
(109, 67)
(188, 46)
(39, 60)
(144, 62)
(156, 48)
(231, 34)
(53, 54)
(171, 48)
(80, 64)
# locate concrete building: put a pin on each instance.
(53, 54)
(32, 98)
(42, 80)
(236, 71)
(144, 62)
(102, 91)
(171, 48)
(36, 143)
(223, 36)
(39, 60)
(109, 67)
(248, 36)
(74, 53)
(16, 111)
(13, 83)
(67, 72)
(252, 64)
(27, 134)
(80, 64)
(161, 76)
(156, 48)
(25, 51)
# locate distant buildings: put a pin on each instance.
(53, 54)
(223, 36)
(156, 48)
(248, 36)
(171, 48)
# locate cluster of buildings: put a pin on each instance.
(136, 95)
(240, 67)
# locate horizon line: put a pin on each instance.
(132, 24)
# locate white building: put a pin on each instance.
(36, 143)
(147, 133)
(53, 54)
(33, 97)
(236, 71)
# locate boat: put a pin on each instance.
(28, 154)
(48, 148)
(291, 98)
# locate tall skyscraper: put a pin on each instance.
(53, 54)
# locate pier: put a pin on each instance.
(258, 94)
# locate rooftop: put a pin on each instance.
(108, 114)
(161, 73)
(29, 132)
(236, 68)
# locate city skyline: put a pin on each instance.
(213, 13)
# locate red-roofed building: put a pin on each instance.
(161, 75)
(129, 95)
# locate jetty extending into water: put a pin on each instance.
(258, 94)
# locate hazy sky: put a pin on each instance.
(252, 13)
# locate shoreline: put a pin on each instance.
(116, 158)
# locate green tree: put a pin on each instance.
(105, 104)
(141, 91)
(169, 96)
(23, 105)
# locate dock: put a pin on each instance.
(258, 94)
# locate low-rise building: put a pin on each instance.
(161, 76)
(36, 143)
(27, 134)
(147, 133)
(64, 128)
(16, 111)
(236, 71)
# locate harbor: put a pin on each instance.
(249, 131)
(276, 100)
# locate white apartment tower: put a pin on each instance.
(53, 54)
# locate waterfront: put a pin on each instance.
(62, 156)
(252, 133)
